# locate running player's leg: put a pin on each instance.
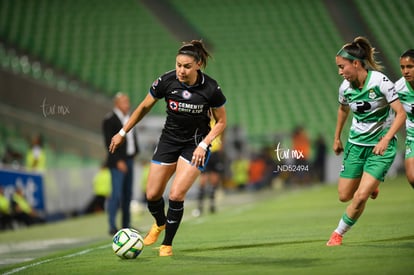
(354, 210)
(185, 176)
(375, 168)
(367, 185)
(346, 190)
(349, 181)
(158, 178)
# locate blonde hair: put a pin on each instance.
(362, 50)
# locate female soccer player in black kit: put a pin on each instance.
(183, 147)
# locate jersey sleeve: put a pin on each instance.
(341, 97)
(218, 99)
(388, 89)
(157, 88)
(400, 85)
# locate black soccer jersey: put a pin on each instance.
(187, 106)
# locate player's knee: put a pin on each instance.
(152, 196)
(176, 196)
(344, 197)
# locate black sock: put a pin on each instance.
(212, 197)
(174, 215)
(201, 192)
(212, 193)
(157, 210)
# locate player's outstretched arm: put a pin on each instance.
(143, 108)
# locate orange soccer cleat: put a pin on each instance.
(166, 250)
(153, 234)
(336, 239)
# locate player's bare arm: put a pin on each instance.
(143, 108)
(399, 120)
(343, 111)
(219, 115)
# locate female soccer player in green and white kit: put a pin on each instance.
(371, 145)
(405, 89)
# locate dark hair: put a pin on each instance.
(361, 49)
(196, 49)
(408, 53)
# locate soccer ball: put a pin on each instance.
(127, 243)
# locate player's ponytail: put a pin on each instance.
(361, 49)
(196, 49)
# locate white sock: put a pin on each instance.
(342, 227)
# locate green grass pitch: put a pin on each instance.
(271, 232)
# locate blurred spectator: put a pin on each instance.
(240, 171)
(319, 161)
(257, 169)
(302, 146)
(36, 157)
(236, 140)
(269, 173)
(210, 180)
(301, 142)
(213, 175)
(102, 190)
(5, 211)
(22, 211)
(12, 157)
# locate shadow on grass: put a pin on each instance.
(391, 242)
(253, 245)
(270, 261)
(233, 259)
(405, 238)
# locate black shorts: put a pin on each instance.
(215, 163)
(169, 150)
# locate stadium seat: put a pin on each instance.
(273, 59)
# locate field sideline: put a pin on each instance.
(267, 232)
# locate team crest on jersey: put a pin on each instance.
(173, 105)
(186, 94)
(371, 94)
(155, 83)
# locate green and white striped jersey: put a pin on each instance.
(372, 114)
(406, 95)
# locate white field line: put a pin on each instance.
(16, 270)
(35, 245)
